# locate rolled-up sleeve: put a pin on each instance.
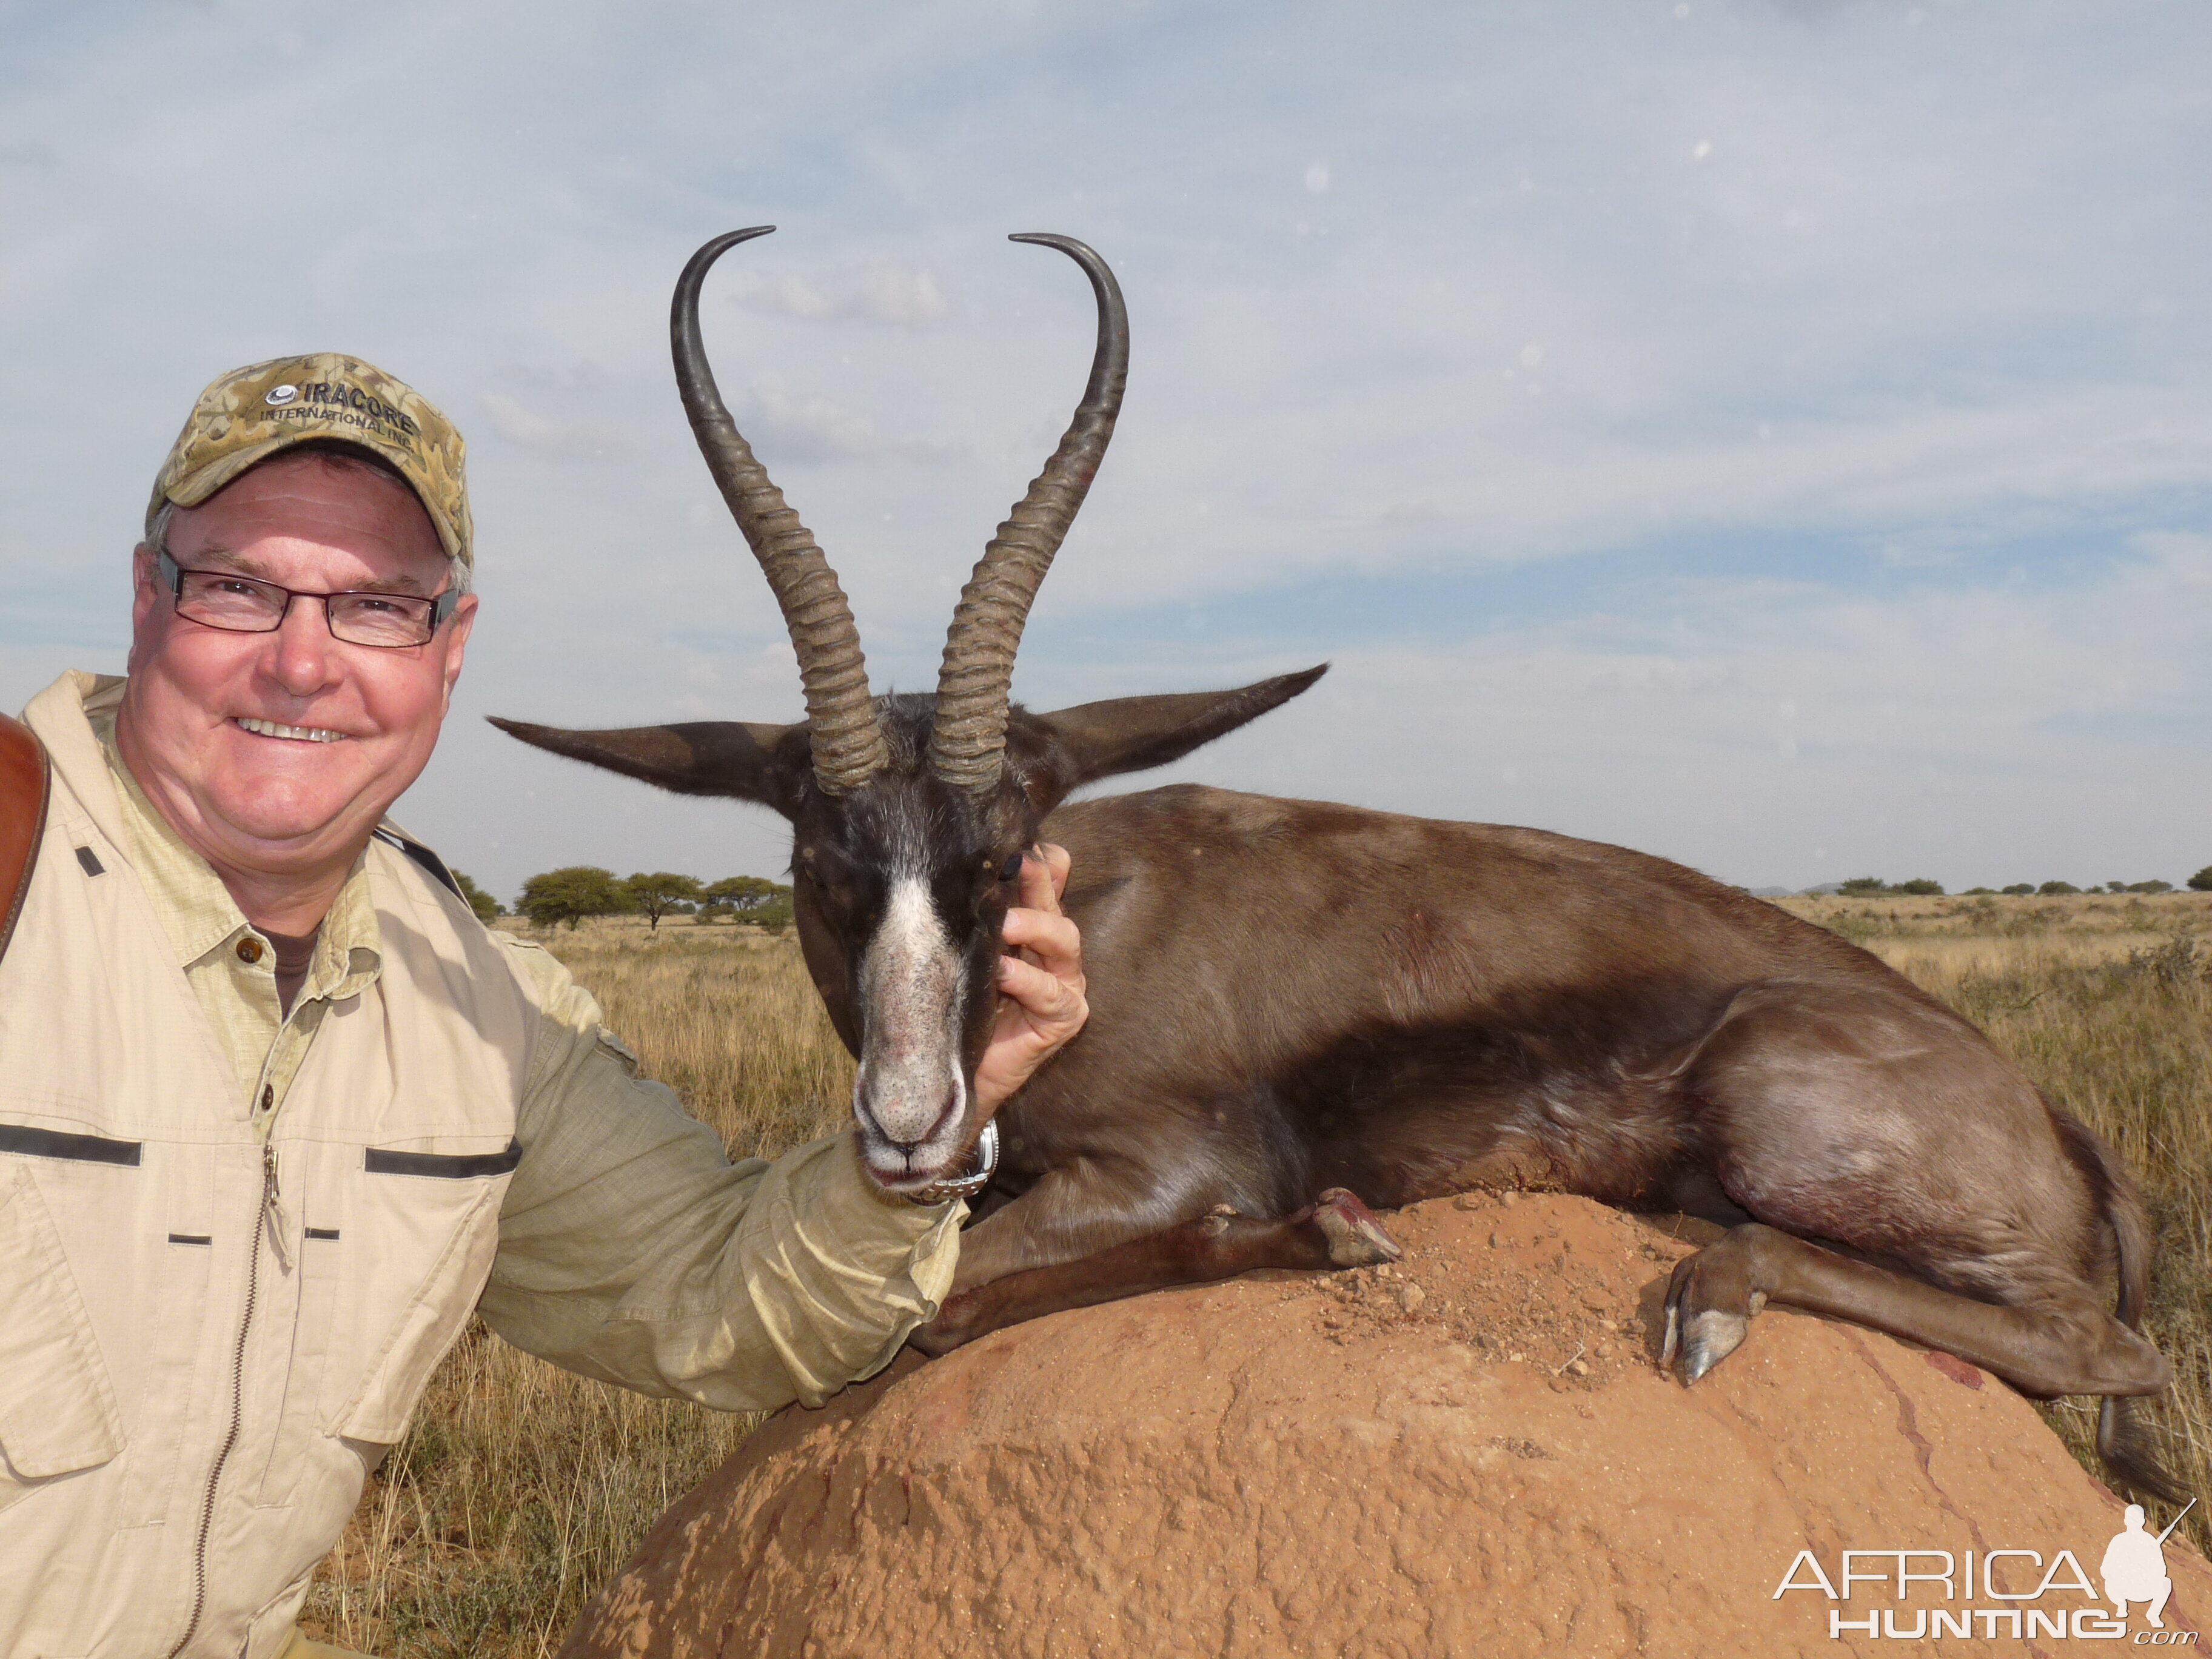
(632, 1249)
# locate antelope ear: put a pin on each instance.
(1095, 740)
(730, 759)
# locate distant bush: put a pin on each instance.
(1862, 887)
(1919, 887)
(487, 907)
(740, 894)
(766, 904)
(1875, 887)
(2153, 886)
(2056, 889)
(2202, 881)
(660, 893)
(2177, 961)
(2018, 889)
(571, 894)
(1977, 892)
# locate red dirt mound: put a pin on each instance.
(1472, 1452)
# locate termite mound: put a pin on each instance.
(1470, 1452)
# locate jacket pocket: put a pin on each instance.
(443, 1166)
(148, 1475)
(449, 1228)
(58, 1411)
(22, 1139)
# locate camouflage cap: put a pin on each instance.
(249, 414)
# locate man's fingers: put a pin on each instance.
(1045, 995)
(1042, 880)
(1052, 936)
(1040, 979)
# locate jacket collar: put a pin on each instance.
(57, 715)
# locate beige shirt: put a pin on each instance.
(614, 1254)
(234, 1246)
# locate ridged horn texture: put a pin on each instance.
(841, 716)
(968, 742)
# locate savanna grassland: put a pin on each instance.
(518, 1488)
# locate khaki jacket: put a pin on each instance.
(215, 1321)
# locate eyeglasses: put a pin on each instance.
(243, 605)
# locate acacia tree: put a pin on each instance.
(660, 894)
(2202, 881)
(742, 893)
(570, 894)
(487, 908)
(1875, 887)
(753, 899)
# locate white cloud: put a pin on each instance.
(515, 418)
(816, 428)
(1894, 396)
(895, 296)
(1788, 734)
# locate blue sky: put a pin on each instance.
(1779, 436)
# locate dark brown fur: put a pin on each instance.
(1288, 996)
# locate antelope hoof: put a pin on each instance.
(1698, 1332)
(1708, 1337)
(1356, 1238)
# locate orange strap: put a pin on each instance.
(23, 790)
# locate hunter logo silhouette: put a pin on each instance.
(2134, 1568)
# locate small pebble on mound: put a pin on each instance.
(1471, 1452)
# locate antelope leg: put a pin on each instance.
(1336, 1231)
(2067, 1346)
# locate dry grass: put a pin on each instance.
(518, 1488)
(2107, 1004)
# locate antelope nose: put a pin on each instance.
(898, 1119)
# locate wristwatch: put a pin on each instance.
(967, 1186)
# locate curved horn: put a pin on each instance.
(968, 741)
(841, 716)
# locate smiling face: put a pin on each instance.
(273, 755)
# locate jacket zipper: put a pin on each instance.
(237, 1400)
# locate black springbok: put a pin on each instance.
(1300, 1010)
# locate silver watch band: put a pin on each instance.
(967, 1186)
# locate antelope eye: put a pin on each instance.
(1011, 869)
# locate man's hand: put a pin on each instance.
(1040, 1001)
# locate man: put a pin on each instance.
(2133, 1569)
(276, 1112)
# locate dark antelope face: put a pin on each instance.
(910, 814)
(902, 884)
